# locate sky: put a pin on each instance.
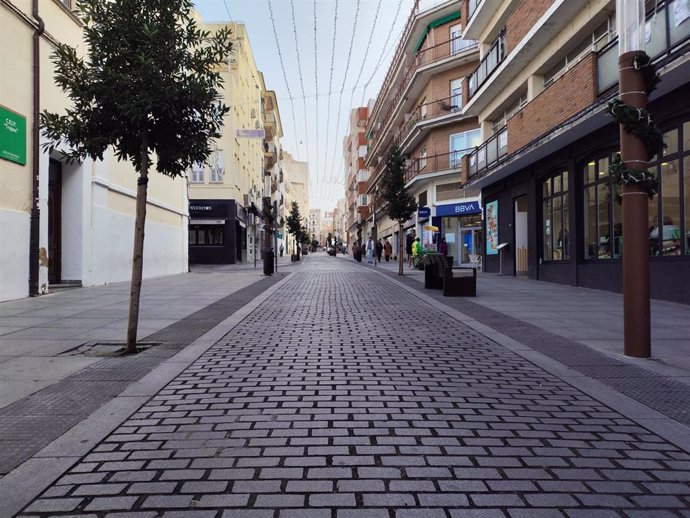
(344, 62)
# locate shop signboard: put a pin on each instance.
(492, 228)
(423, 213)
(466, 208)
(12, 136)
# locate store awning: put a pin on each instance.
(436, 23)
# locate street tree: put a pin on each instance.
(294, 225)
(401, 206)
(149, 87)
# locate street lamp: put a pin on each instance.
(630, 24)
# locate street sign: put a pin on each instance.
(279, 235)
(12, 136)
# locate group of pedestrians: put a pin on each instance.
(372, 249)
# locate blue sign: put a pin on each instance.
(466, 208)
(423, 213)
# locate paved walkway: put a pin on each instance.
(347, 394)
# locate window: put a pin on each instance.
(456, 93)
(421, 200)
(217, 166)
(449, 191)
(422, 159)
(669, 211)
(422, 109)
(555, 228)
(197, 172)
(205, 235)
(602, 211)
(462, 143)
(456, 42)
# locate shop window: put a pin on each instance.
(200, 235)
(602, 211)
(669, 211)
(555, 229)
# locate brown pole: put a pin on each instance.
(636, 314)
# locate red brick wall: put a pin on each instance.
(437, 141)
(571, 93)
(523, 19)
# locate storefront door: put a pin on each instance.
(470, 241)
(55, 222)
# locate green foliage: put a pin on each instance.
(638, 122)
(294, 221)
(625, 175)
(149, 71)
(401, 205)
(304, 235)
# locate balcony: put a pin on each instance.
(664, 37)
(450, 162)
(439, 57)
(488, 64)
(431, 112)
(270, 155)
(270, 124)
(489, 153)
(515, 49)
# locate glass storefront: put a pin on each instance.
(464, 238)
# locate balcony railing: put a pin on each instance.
(430, 111)
(665, 34)
(489, 153)
(454, 46)
(488, 65)
(436, 163)
(472, 7)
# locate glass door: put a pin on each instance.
(456, 94)
(471, 246)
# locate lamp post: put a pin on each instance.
(630, 21)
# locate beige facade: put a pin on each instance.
(420, 109)
(86, 221)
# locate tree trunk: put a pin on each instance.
(138, 253)
(402, 249)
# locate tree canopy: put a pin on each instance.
(149, 72)
(401, 206)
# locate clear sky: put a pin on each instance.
(314, 131)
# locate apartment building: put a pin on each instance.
(226, 193)
(83, 216)
(296, 175)
(547, 70)
(340, 221)
(356, 174)
(420, 109)
(327, 226)
(314, 225)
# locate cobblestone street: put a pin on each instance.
(344, 395)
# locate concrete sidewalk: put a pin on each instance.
(36, 334)
(590, 317)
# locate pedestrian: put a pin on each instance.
(370, 250)
(281, 249)
(408, 247)
(443, 247)
(379, 250)
(416, 252)
(387, 250)
(355, 249)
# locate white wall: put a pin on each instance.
(75, 220)
(14, 254)
(113, 239)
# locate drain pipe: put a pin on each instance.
(35, 218)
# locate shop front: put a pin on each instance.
(217, 232)
(461, 226)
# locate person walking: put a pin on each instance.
(416, 252)
(370, 250)
(408, 247)
(387, 250)
(379, 250)
(443, 247)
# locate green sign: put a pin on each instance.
(12, 136)
(279, 235)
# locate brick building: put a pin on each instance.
(547, 70)
(420, 108)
